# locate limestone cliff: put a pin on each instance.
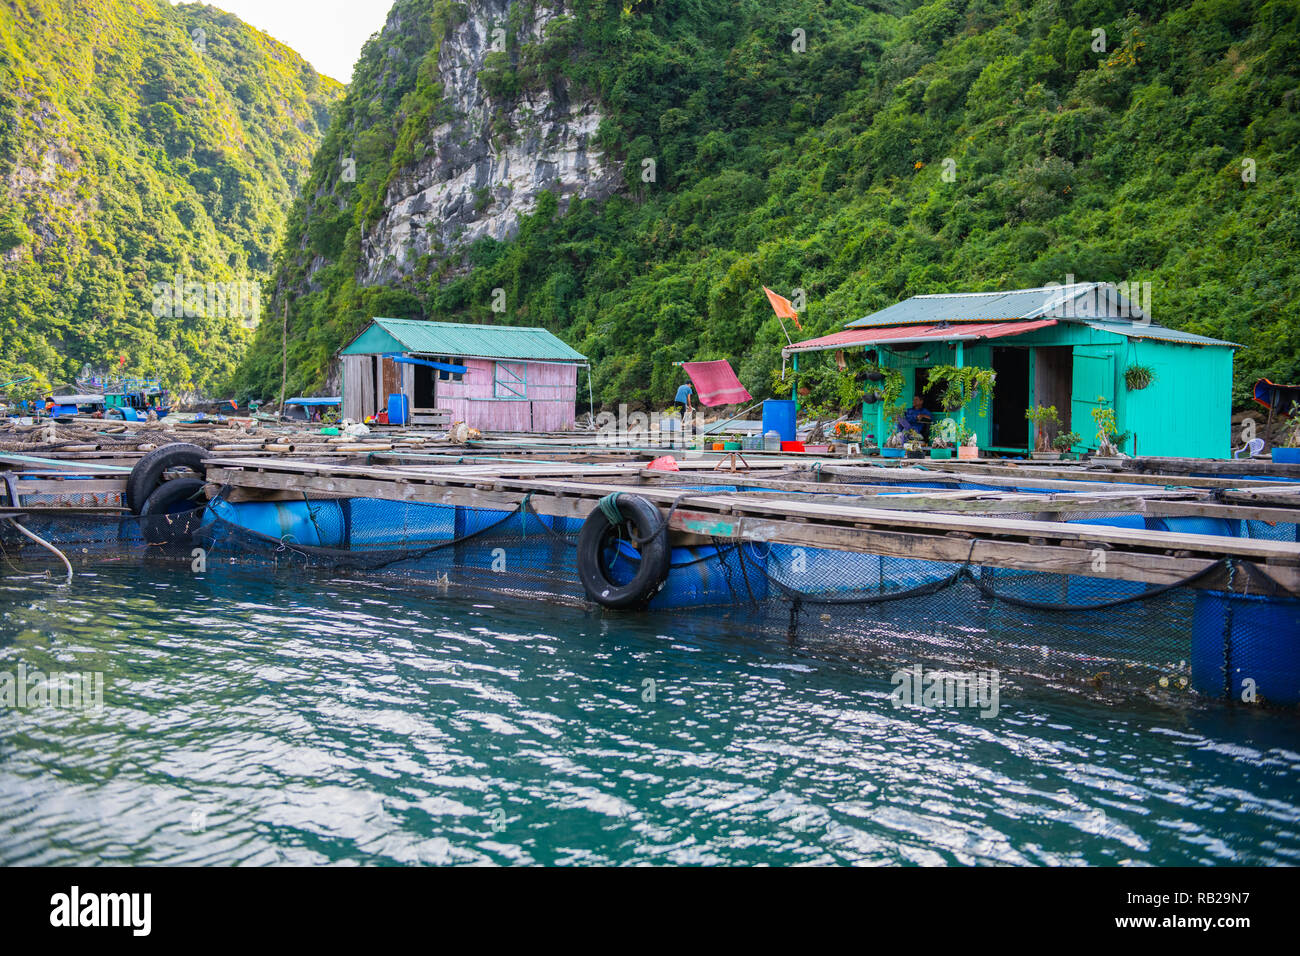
(491, 156)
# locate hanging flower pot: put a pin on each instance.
(871, 398)
(875, 375)
(1138, 377)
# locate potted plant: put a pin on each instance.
(1043, 418)
(893, 447)
(966, 443)
(1286, 449)
(961, 385)
(940, 448)
(1107, 427)
(914, 444)
(1064, 442)
(1138, 377)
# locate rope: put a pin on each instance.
(608, 506)
(47, 546)
(1118, 602)
(1227, 636)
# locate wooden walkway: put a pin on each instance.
(982, 527)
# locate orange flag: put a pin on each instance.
(782, 307)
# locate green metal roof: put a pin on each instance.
(1160, 334)
(1051, 301)
(460, 339)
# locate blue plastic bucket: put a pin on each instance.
(778, 416)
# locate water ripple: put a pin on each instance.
(263, 719)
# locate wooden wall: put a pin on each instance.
(521, 396)
(368, 380)
(546, 401)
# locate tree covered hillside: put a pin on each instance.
(142, 144)
(862, 152)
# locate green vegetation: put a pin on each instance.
(961, 385)
(1065, 441)
(1045, 419)
(1138, 377)
(142, 143)
(949, 146)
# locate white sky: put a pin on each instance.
(328, 34)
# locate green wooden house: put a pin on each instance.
(1065, 346)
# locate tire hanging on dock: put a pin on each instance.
(173, 511)
(149, 470)
(649, 533)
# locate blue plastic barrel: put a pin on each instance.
(318, 524)
(778, 416)
(1262, 645)
(397, 408)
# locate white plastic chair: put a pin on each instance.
(1255, 445)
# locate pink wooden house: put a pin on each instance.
(492, 377)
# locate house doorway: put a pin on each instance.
(422, 392)
(1010, 428)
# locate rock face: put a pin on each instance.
(488, 164)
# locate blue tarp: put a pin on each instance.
(441, 366)
(314, 401)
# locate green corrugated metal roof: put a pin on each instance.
(1160, 334)
(474, 341)
(1056, 301)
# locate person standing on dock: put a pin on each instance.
(683, 400)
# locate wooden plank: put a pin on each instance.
(1233, 512)
(1123, 477)
(73, 487)
(374, 482)
(1150, 568)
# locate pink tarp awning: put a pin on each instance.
(716, 383)
(956, 332)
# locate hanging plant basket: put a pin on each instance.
(875, 375)
(871, 398)
(1138, 377)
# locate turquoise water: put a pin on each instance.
(258, 718)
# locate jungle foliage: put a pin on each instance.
(141, 143)
(953, 145)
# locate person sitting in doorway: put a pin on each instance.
(918, 417)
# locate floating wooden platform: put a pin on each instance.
(850, 513)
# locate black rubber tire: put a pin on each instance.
(148, 471)
(655, 555)
(173, 511)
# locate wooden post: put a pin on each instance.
(960, 362)
(284, 354)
